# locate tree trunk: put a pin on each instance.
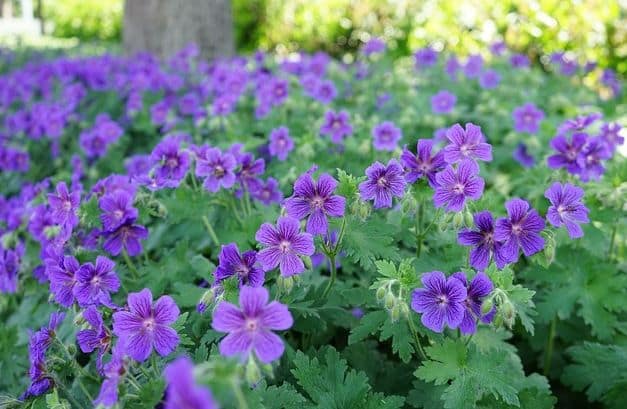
(163, 27)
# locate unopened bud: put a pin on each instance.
(468, 219)
(549, 251)
(206, 300)
(71, 349)
(363, 210)
(458, 220)
(487, 306)
(79, 320)
(409, 205)
(395, 314)
(390, 301)
(156, 208)
(285, 284)
(381, 293)
(253, 374)
(51, 231)
(404, 309)
(307, 262)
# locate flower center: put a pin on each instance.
(517, 229)
(95, 281)
(67, 205)
(149, 324)
(336, 124)
(118, 214)
(281, 142)
(464, 149)
(251, 325)
(284, 246)
(317, 202)
(218, 171)
(172, 163)
(442, 300)
(458, 188)
(382, 181)
(571, 154)
(242, 270)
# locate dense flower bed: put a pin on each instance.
(427, 232)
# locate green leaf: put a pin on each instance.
(347, 186)
(367, 241)
(369, 324)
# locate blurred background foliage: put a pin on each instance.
(590, 29)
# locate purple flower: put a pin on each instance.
(146, 325)
(489, 79)
(64, 205)
(498, 48)
(452, 67)
(520, 229)
(443, 102)
(567, 208)
(441, 302)
(568, 152)
(10, 260)
(466, 144)
(373, 46)
(611, 134)
(336, 126)
(519, 61)
(480, 287)
(117, 208)
(250, 326)
(423, 164)
(383, 183)
(523, 157)
(172, 163)
(269, 192)
(579, 123)
(243, 266)
(113, 371)
(482, 241)
(216, 167)
(316, 201)
(249, 170)
(527, 118)
(63, 279)
(473, 66)
(325, 91)
(127, 237)
(280, 143)
(283, 245)
(386, 136)
(590, 159)
(425, 57)
(97, 337)
(454, 186)
(182, 391)
(95, 282)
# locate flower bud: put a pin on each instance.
(468, 218)
(285, 284)
(253, 374)
(458, 220)
(362, 209)
(404, 309)
(79, 320)
(487, 306)
(395, 314)
(390, 301)
(156, 208)
(381, 293)
(51, 231)
(307, 262)
(71, 349)
(409, 205)
(206, 300)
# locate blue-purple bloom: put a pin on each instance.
(182, 392)
(171, 162)
(126, 237)
(425, 57)
(283, 246)
(567, 152)
(217, 167)
(315, 201)
(519, 61)
(473, 66)
(373, 46)
(482, 240)
(521, 229)
(611, 134)
(466, 144)
(579, 123)
(117, 208)
(489, 79)
(567, 208)
(522, 156)
(62, 278)
(527, 118)
(64, 205)
(243, 266)
(590, 159)
(423, 164)
(383, 183)
(336, 125)
(441, 301)
(385, 136)
(480, 287)
(455, 186)
(96, 282)
(96, 337)
(269, 192)
(145, 325)
(250, 326)
(443, 102)
(281, 143)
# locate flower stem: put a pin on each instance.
(549, 347)
(331, 258)
(210, 230)
(237, 390)
(130, 264)
(419, 233)
(612, 240)
(412, 328)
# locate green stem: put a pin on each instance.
(549, 347)
(133, 381)
(612, 240)
(249, 209)
(68, 395)
(331, 258)
(239, 395)
(419, 233)
(130, 264)
(210, 230)
(412, 328)
(194, 183)
(340, 237)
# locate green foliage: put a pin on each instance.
(85, 19)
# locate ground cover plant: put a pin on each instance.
(433, 231)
